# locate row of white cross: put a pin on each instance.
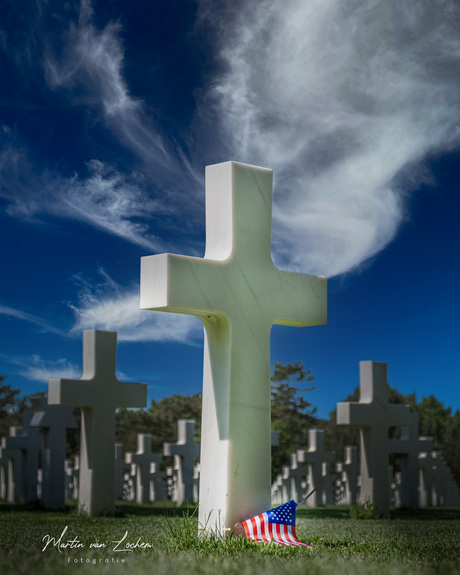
(53, 420)
(424, 479)
(140, 473)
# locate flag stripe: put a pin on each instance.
(271, 527)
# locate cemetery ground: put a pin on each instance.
(161, 539)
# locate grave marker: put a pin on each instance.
(142, 459)
(298, 478)
(328, 484)
(238, 294)
(159, 490)
(121, 467)
(98, 394)
(73, 473)
(27, 440)
(375, 415)
(12, 452)
(350, 469)
(184, 451)
(410, 445)
(53, 421)
(315, 456)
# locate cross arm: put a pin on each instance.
(301, 300)
(130, 394)
(178, 284)
(70, 392)
(352, 413)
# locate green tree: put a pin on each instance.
(292, 414)
(160, 420)
(435, 419)
(11, 407)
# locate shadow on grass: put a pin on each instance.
(343, 512)
(6, 507)
(169, 509)
(163, 509)
(430, 513)
(122, 509)
(324, 512)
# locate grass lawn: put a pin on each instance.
(164, 541)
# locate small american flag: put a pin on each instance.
(277, 526)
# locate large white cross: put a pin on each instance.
(98, 394)
(238, 294)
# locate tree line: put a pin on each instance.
(292, 416)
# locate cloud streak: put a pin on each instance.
(109, 307)
(34, 368)
(114, 202)
(44, 325)
(91, 69)
(341, 100)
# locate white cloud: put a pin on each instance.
(24, 316)
(339, 99)
(92, 65)
(34, 368)
(109, 307)
(116, 203)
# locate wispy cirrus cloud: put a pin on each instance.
(108, 306)
(341, 100)
(43, 324)
(35, 368)
(90, 69)
(115, 202)
(103, 304)
(85, 67)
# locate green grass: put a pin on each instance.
(422, 543)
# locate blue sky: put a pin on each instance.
(109, 113)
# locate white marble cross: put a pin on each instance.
(328, 478)
(158, 488)
(121, 467)
(350, 469)
(11, 450)
(315, 456)
(298, 478)
(426, 463)
(184, 451)
(410, 445)
(53, 421)
(142, 459)
(375, 415)
(238, 293)
(98, 394)
(27, 440)
(73, 473)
